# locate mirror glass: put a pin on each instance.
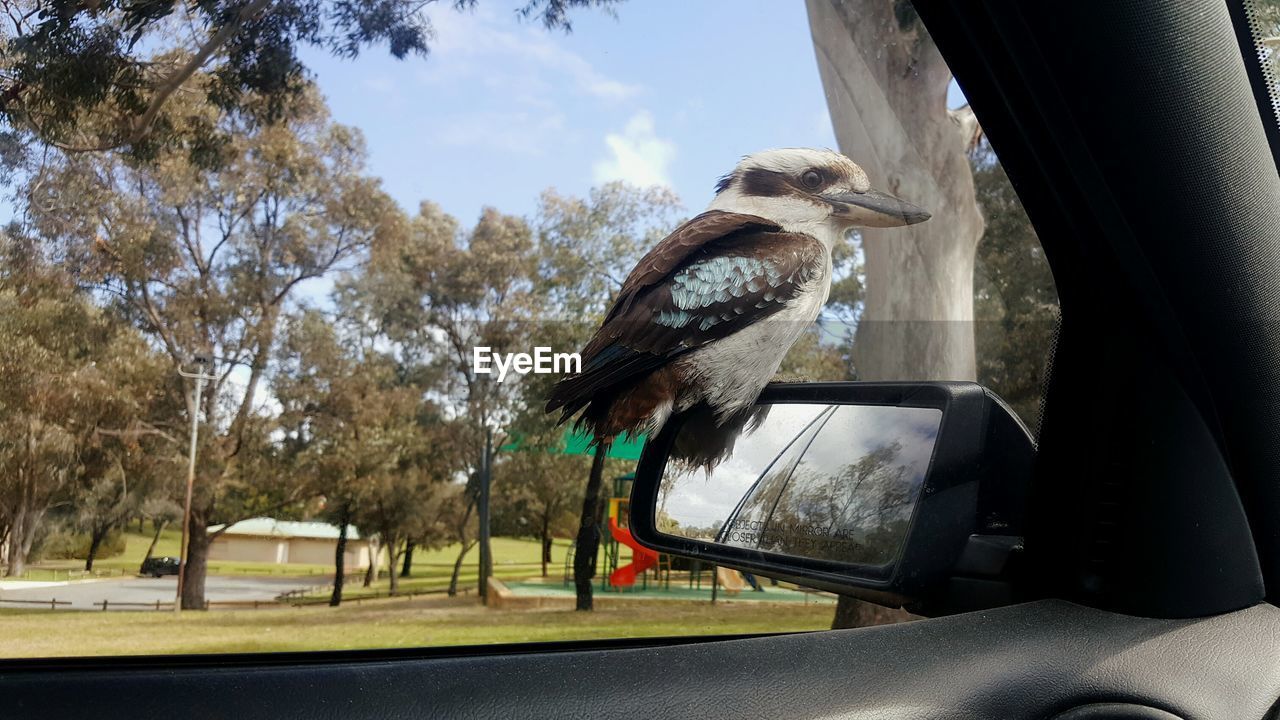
(827, 482)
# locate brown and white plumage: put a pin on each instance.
(706, 317)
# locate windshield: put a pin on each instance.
(285, 288)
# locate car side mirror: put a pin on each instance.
(904, 494)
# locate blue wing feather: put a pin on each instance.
(725, 285)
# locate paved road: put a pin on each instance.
(82, 595)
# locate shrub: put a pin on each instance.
(62, 544)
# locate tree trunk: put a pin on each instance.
(408, 559)
(159, 526)
(392, 576)
(546, 543)
(588, 543)
(340, 556)
(457, 568)
(16, 560)
(371, 572)
(22, 535)
(482, 517)
(29, 536)
(96, 536)
(886, 87)
(193, 572)
(16, 564)
(852, 613)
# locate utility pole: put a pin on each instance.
(486, 479)
(204, 363)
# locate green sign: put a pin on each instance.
(575, 442)
(623, 448)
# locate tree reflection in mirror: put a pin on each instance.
(825, 482)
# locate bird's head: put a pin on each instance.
(795, 186)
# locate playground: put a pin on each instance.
(630, 572)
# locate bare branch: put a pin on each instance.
(136, 432)
(144, 122)
(142, 125)
(970, 130)
(293, 497)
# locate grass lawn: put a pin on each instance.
(427, 564)
(392, 623)
(514, 559)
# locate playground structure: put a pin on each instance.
(616, 534)
(618, 576)
(642, 558)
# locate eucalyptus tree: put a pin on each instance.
(206, 258)
(79, 392)
(133, 454)
(446, 291)
(333, 414)
(588, 248)
(104, 74)
(44, 344)
(538, 487)
(1015, 300)
(508, 286)
(456, 509)
(365, 432)
(887, 91)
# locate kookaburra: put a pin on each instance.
(706, 317)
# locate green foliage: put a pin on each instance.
(61, 544)
(538, 490)
(816, 356)
(1015, 300)
(358, 426)
(78, 404)
(102, 74)
(206, 259)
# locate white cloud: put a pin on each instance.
(637, 155)
(468, 43)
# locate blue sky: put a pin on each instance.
(666, 93)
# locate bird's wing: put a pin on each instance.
(711, 227)
(685, 294)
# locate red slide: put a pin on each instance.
(642, 558)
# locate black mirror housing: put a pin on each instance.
(960, 533)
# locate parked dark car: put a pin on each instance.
(159, 566)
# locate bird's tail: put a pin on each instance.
(638, 408)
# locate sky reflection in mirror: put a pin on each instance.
(827, 482)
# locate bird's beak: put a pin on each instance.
(874, 209)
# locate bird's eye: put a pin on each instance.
(811, 179)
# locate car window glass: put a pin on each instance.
(292, 276)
